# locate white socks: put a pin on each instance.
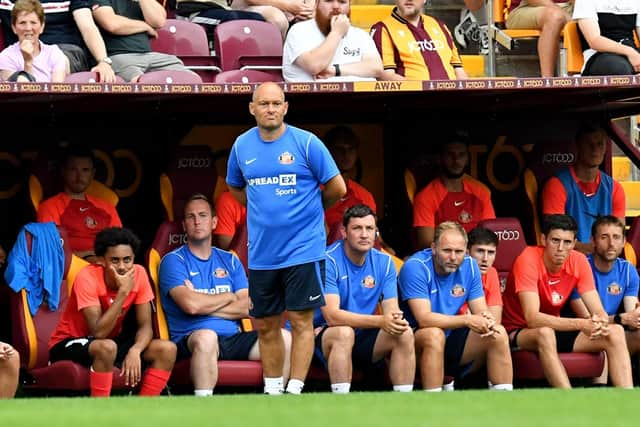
(203, 393)
(433, 390)
(295, 386)
(273, 386)
(340, 388)
(500, 387)
(449, 386)
(403, 388)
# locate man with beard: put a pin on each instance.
(541, 282)
(329, 48)
(583, 190)
(414, 46)
(434, 284)
(82, 215)
(453, 196)
(616, 279)
(286, 177)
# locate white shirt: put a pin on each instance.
(305, 36)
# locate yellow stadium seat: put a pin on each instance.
(410, 184)
(621, 166)
(473, 65)
(632, 194)
(364, 15)
(573, 48)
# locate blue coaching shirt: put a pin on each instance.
(620, 282)
(360, 288)
(285, 217)
(447, 294)
(222, 272)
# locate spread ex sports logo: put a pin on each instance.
(282, 180)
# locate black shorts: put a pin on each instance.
(77, 350)
(362, 353)
(233, 347)
(453, 349)
(294, 288)
(79, 59)
(565, 340)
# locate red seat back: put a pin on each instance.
(633, 237)
(244, 76)
(169, 77)
(511, 243)
(247, 43)
(191, 169)
(188, 41)
(239, 245)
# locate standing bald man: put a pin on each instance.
(277, 170)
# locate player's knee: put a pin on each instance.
(104, 350)
(406, 339)
(616, 336)
(546, 339)
(204, 341)
(166, 350)
(430, 338)
(343, 335)
(501, 338)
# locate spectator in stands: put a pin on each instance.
(583, 190)
(434, 284)
(329, 48)
(482, 247)
(282, 13)
(81, 214)
(126, 27)
(71, 27)
(210, 13)
(286, 227)
(357, 278)
(9, 370)
(548, 16)
(473, 25)
(204, 295)
(96, 332)
(608, 27)
(616, 279)
(415, 46)
(43, 62)
(541, 282)
(453, 196)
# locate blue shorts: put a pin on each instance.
(233, 347)
(295, 288)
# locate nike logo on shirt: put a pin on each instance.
(458, 203)
(248, 162)
(554, 282)
(193, 273)
(84, 209)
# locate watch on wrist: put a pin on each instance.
(107, 60)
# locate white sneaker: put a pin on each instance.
(484, 43)
(466, 29)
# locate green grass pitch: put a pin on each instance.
(603, 407)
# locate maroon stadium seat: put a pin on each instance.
(187, 41)
(30, 336)
(239, 245)
(169, 77)
(170, 235)
(247, 44)
(87, 77)
(191, 169)
(246, 76)
(510, 243)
